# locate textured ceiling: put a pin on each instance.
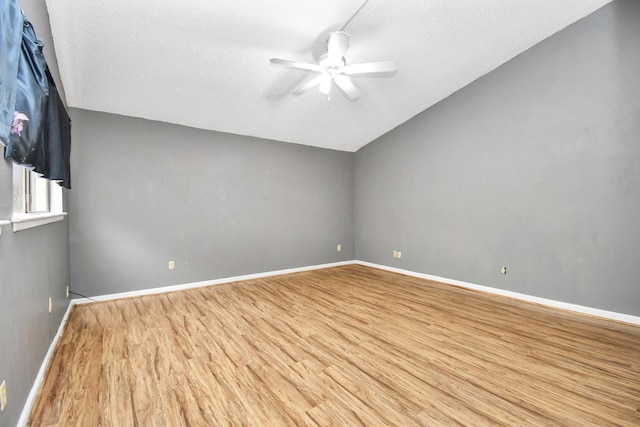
(205, 63)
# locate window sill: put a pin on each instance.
(25, 221)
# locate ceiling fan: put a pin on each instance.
(333, 68)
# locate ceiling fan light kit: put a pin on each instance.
(333, 69)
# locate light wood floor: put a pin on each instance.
(346, 346)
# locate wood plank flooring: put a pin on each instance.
(345, 346)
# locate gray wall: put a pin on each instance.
(535, 166)
(34, 264)
(219, 205)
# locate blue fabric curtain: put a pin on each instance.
(39, 133)
(10, 39)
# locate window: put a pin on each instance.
(36, 201)
(37, 196)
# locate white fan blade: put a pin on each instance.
(309, 85)
(346, 86)
(382, 67)
(286, 63)
(337, 45)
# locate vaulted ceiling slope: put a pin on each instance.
(205, 64)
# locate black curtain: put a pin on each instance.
(39, 137)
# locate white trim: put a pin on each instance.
(19, 203)
(26, 410)
(24, 417)
(610, 315)
(23, 220)
(55, 196)
(174, 288)
(26, 221)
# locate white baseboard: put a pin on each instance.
(24, 417)
(173, 288)
(26, 410)
(611, 315)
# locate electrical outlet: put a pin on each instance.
(67, 292)
(339, 248)
(395, 254)
(503, 270)
(399, 254)
(172, 265)
(3, 395)
(50, 304)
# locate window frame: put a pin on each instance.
(38, 193)
(22, 219)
